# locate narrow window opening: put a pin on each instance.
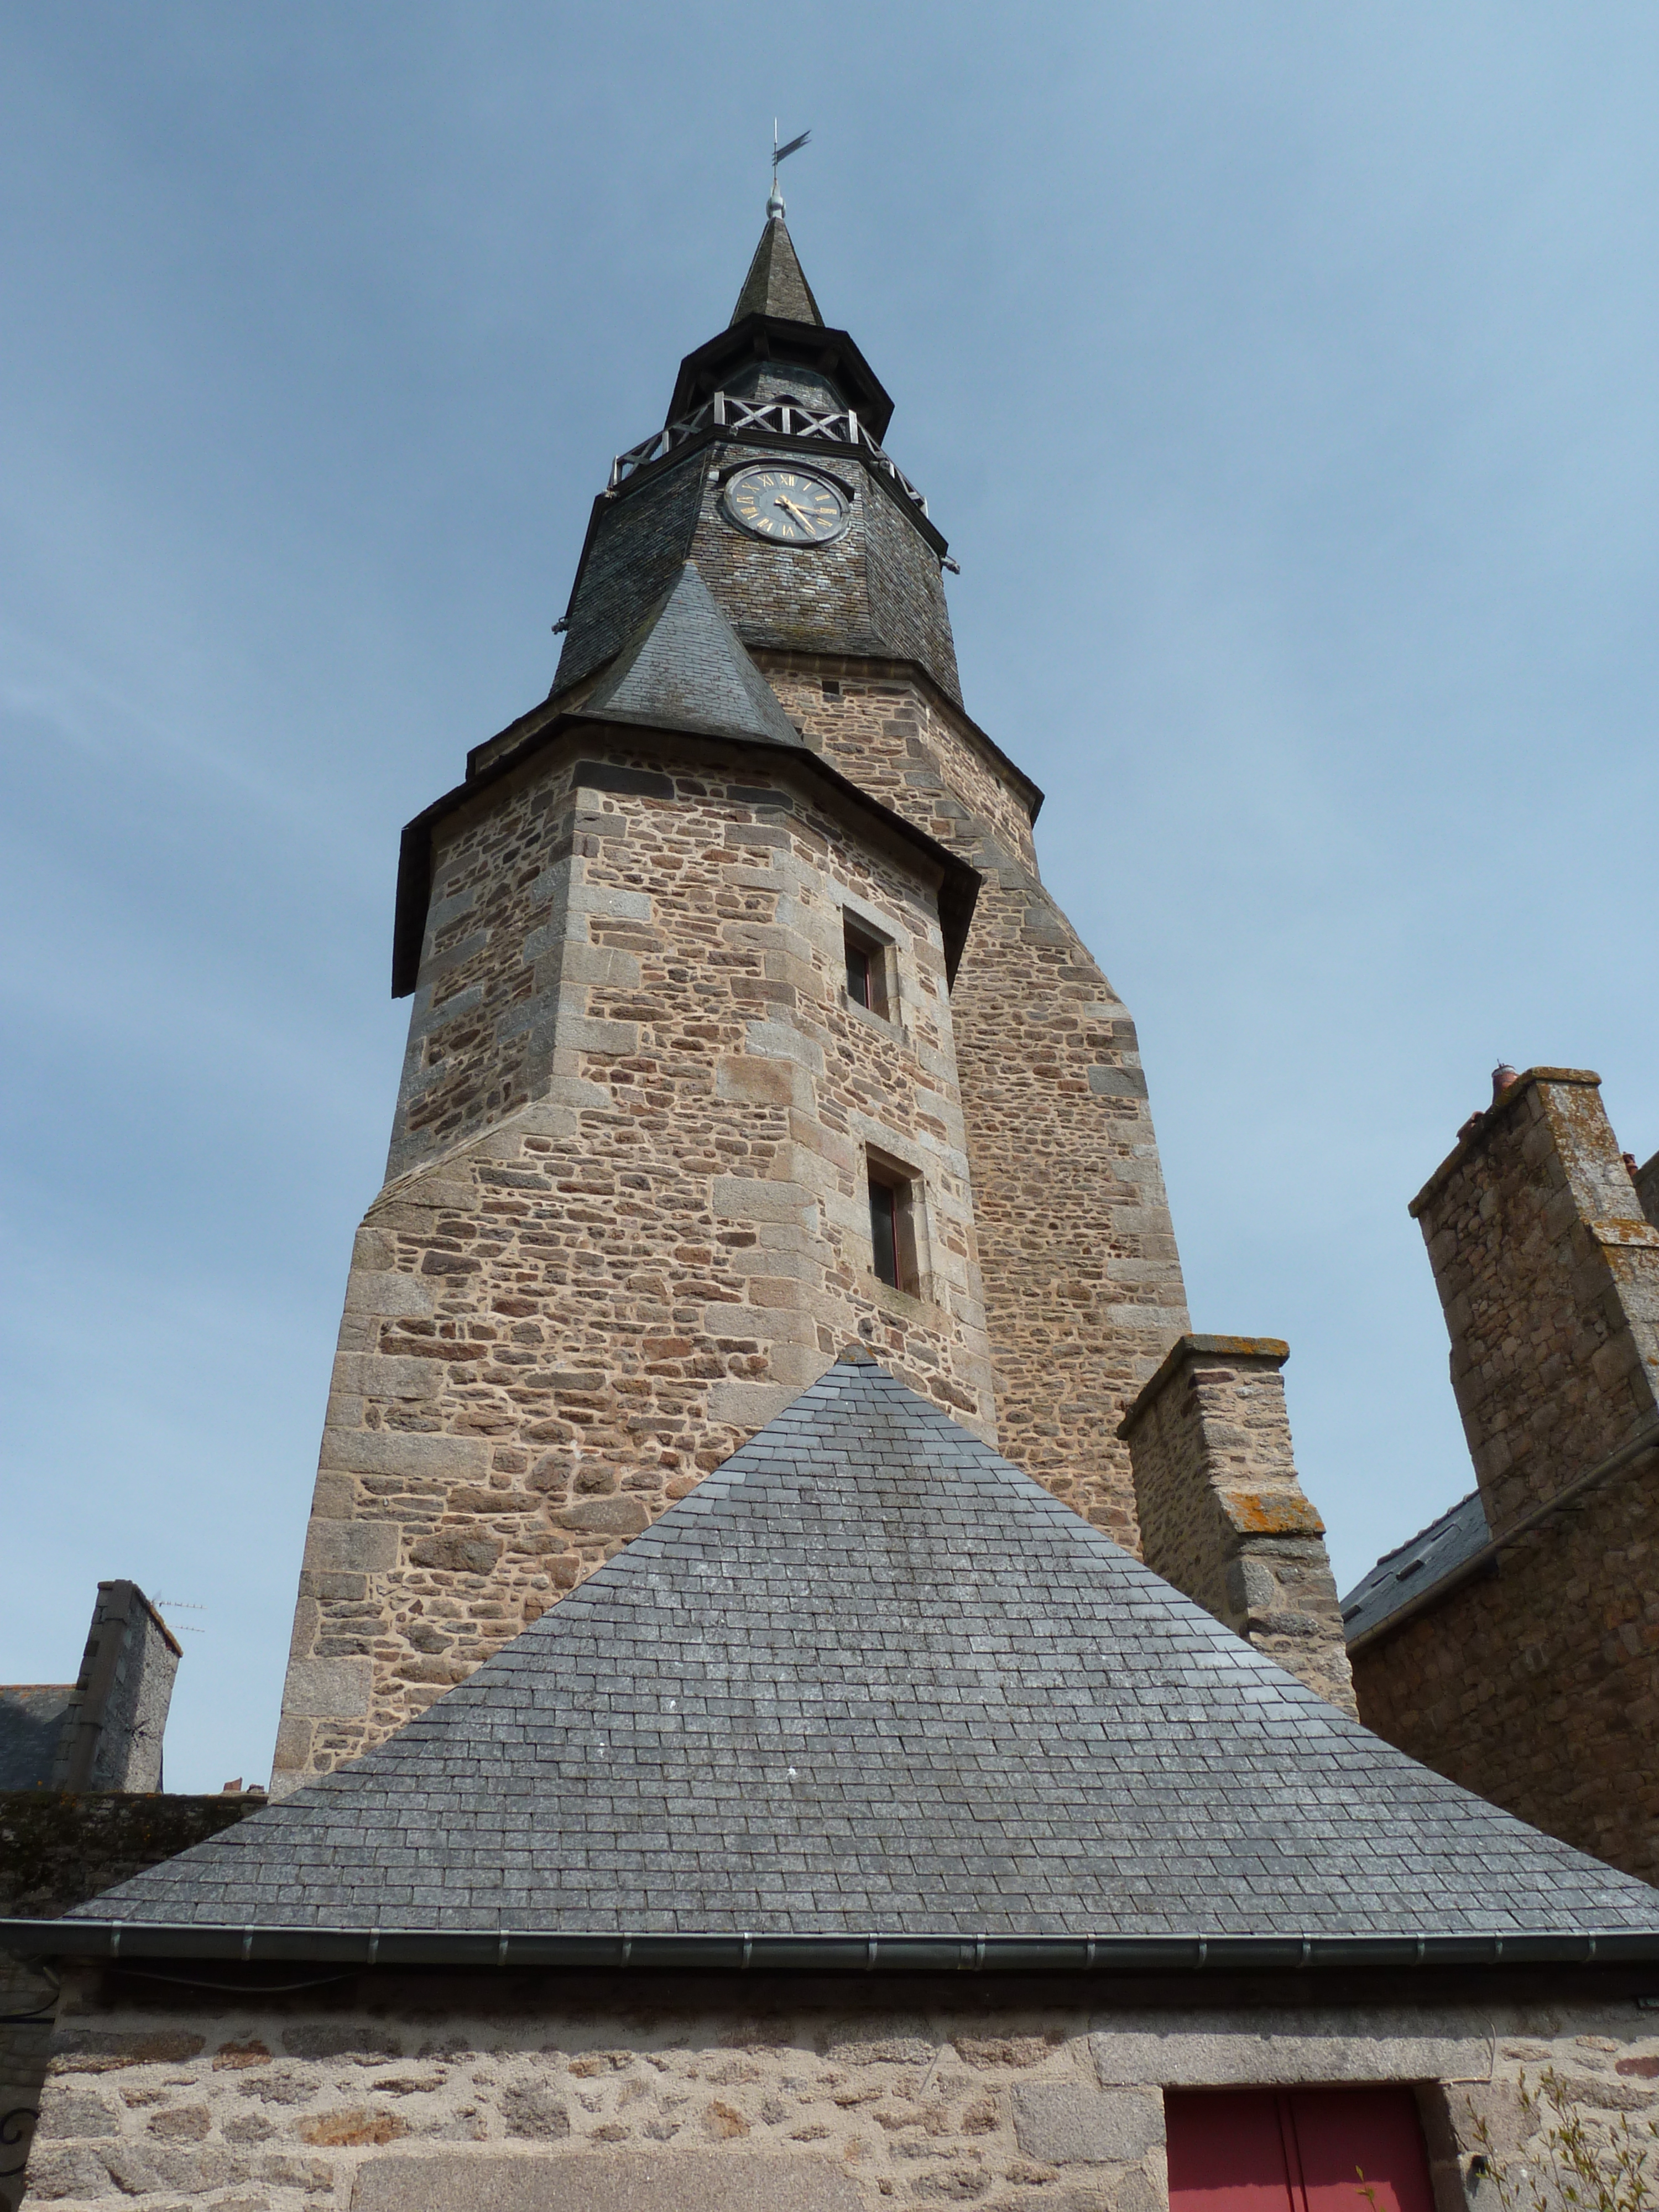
(867, 969)
(892, 1227)
(831, 687)
(858, 973)
(884, 1231)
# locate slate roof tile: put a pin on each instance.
(870, 1676)
(686, 668)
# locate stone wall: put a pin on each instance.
(1082, 1281)
(1223, 1515)
(631, 1221)
(812, 2094)
(111, 1737)
(1536, 1682)
(1646, 1180)
(58, 1847)
(1548, 1271)
(1537, 1685)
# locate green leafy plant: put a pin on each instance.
(1577, 2169)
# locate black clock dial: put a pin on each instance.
(786, 506)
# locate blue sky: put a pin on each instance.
(1283, 378)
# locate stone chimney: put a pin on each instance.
(1646, 1179)
(1548, 1271)
(112, 1733)
(1222, 1514)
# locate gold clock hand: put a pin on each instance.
(799, 513)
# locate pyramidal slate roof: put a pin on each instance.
(686, 668)
(776, 284)
(867, 1675)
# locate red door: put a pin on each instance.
(1296, 2150)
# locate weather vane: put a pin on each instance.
(774, 205)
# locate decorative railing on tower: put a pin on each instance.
(772, 418)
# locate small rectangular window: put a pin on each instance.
(893, 1227)
(866, 968)
(883, 1229)
(858, 973)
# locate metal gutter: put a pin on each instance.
(126, 1941)
(1482, 1561)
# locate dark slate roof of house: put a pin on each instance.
(686, 668)
(776, 283)
(1400, 1577)
(31, 1727)
(869, 1676)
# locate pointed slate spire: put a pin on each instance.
(685, 668)
(775, 285)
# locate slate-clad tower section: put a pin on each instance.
(645, 1118)
(769, 386)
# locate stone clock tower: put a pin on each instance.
(743, 1027)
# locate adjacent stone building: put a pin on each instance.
(742, 1026)
(1514, 1644)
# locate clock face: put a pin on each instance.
(786, 506)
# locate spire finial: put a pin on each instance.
(774, 204)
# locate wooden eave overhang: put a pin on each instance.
(806, 345)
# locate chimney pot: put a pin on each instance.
(1502, 1076)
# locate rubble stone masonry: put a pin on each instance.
(1532, 1676)
(58, 1848)
(1646, 1180)
(627, 1216)
(1223, 1515)
(805, 2094)
(1548, 1271)
(1082, 1280)
(1536, 1684)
